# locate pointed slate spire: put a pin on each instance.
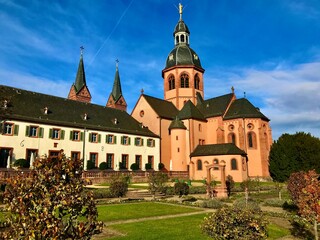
(81, 77)
(116, 90)
(116, 99)
(79, 90)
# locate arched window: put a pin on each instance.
(171, 82)
(182, 38)
(232, 138)
(216, 161)
(184, 80)
(197, 81)
(177, 39)
(199, 165)
(234, 164)
(252, 140)
(200, 127)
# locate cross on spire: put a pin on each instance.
(117, 63)
(81, 50)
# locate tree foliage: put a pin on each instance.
(118, 187)
(50, 203)
(309, 200)
(230, 184)
(235, 223)
(181, 188)
(296, 183)
(293, 153)
(157, 182)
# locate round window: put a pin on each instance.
(141, 113)
(250, 126)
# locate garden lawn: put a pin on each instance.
(115, 212)
(179, 228)
(276, 232)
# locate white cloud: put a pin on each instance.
(35, 83)
(290, 95)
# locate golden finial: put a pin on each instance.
(180, 10)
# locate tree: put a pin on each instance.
(230, 184)
(157, 181)
(118, 187)
(181, 188)
(235, 223)
(293, 153)
(50, 203)
(309, 200)
(296, 183)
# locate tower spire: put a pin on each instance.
(116, 99)
(79, 90)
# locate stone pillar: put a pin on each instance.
(222, 189)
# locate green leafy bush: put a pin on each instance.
(157, 182)
(181, 188)
(301, 228)
(290, 206)
(148, 166)
(197, 190)
(211, 203)
(169, 191)
(189, 199)
(250, 184)
(235, 223)
(21, 162)
(99, 193)
(91, 165)
(103, 166)
(160, 166)
(274, 202)
(134, 167)
(118, 187)
(249, 204)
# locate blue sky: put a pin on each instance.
(269, 49)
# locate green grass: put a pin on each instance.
(126, 211)
(275, 231)
(179, 228)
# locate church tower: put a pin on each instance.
(116, 99)
(79, 90)
(183, 73)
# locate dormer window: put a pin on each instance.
(46, 110)
(115, 121)
(85, 116)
